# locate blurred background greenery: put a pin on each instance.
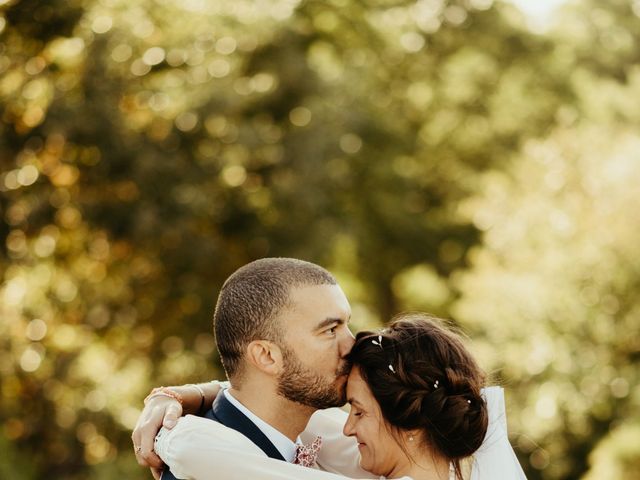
(453, 156)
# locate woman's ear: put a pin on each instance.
(411, 437)
(266, 356)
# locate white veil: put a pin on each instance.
(495, 459)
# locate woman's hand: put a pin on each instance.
(163, 410)
(158, 412)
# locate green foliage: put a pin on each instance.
(617, 456)
(435, 155)
(551, 295)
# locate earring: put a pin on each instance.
(411, 438)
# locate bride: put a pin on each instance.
(417, 411)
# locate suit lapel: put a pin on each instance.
(225, 413)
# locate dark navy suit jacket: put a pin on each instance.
(224, 412)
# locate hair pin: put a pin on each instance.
(391, 368)
(435, 385)
(379, 342)
(469, 402)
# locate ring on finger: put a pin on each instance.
(138, 449)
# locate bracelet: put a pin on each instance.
(199, 388)
(163, 392)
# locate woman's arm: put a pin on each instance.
(339, 454)
(201, 449)
(164, 410)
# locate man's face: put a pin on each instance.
(316, 340)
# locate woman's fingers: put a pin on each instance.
(171, 415)
(159, 411)
(156, 472)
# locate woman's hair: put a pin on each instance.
(425, 379)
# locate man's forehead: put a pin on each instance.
(309, 306)
(312, 296)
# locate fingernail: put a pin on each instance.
(170, 423)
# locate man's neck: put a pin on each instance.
(289, 418)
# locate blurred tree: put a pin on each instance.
(552, 293)
(148, 149)
(617, 456)
(555, 284)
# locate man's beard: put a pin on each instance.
(300, 384)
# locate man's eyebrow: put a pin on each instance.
(328, 321)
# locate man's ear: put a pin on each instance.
(266, 356)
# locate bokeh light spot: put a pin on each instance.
(30, 360)
(219, 68)
(36, 330)
(28, 175)
(350, 143)
(234, 175)
(226, 45)
(102, 24)
(300, 116)
(412, 41)
(153, 56)
(186, 121)
(121, 53)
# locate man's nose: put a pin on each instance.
(346, 342)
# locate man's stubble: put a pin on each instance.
(300, 384)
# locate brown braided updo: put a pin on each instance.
(425, 379)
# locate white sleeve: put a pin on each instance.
(495, 459)
(339, 454)
(201, 449)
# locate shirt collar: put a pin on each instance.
(285, 446)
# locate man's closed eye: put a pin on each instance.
(331, 331)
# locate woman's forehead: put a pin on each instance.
(357, 387)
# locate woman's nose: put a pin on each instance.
(347, 430)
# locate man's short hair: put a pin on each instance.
(250, 301)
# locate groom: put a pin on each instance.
(282, 333)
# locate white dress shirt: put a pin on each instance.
(201, 449)
(283, 444)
